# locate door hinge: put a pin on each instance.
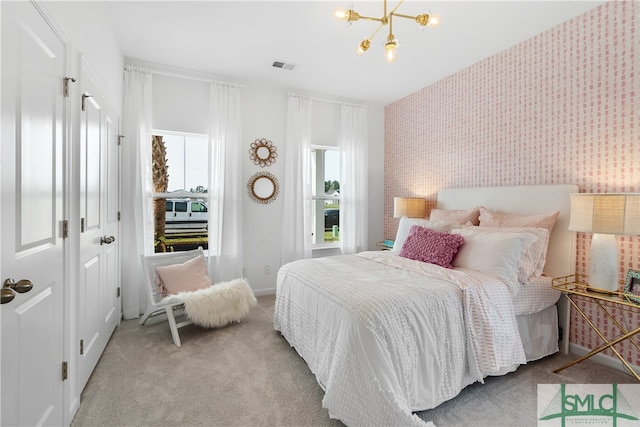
(81, 347)
(118, 215)
(82, 225)
(65, 229)
(84, 97)
(118, 291)
(120, 137)
(65, 371)
(65, 86)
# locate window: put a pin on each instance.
(180, 179)
(198, 207)
(325, 169)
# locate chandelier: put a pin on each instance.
(425, 20)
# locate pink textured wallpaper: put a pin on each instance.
(560, 108)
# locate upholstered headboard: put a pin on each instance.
(529, 200)
(526, 200)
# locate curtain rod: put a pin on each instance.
(180, 75)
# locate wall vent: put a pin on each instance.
(283, 65)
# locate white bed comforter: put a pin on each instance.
(386, 336)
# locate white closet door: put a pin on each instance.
(31, 218)
(98, 303)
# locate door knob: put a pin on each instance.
(107, 240)
(21, 286)
(7, 295)
(10, 285)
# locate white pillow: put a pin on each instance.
(406, 223)
(497, 254)
(532, 262)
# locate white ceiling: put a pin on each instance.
(239, 40)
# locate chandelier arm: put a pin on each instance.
(393, 11)
(376, 31)
(400, 15)
(371, 18)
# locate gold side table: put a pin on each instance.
(574, 288)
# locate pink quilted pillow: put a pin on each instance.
(431, 246)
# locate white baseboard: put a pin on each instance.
(603, 359)
(264, 292)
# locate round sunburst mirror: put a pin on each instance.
(263, 152)
(263, 187)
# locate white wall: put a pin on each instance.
(90, 34)
(182, 105)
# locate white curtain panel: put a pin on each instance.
(296, 217)
(353, 175)
(137, 226)
(225, 183)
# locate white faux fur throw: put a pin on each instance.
(219, 304)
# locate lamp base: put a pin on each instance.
(603, 263)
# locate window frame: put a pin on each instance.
(202, 197)
(183, 194)
(316, 198)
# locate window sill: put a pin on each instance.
(325, 250)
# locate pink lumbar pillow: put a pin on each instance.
(188, 276)
(431, 246)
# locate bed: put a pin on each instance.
(387, 335)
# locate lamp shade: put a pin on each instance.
(605, 213)
(411, 207)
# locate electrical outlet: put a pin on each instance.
(267, 269)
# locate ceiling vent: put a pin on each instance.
(283, 65)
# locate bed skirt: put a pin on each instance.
(539, 333)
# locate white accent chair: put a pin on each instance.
(156, 306)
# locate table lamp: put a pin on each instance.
(411, 207)
(605, 215)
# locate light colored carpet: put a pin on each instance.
(246, 374)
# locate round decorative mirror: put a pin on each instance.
(263, 152)
(263, 187)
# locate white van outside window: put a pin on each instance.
(185, 213)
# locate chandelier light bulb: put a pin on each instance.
(341, 14)
(390, 53)
(434, 20)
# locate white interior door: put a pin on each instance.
(113, 306)
(31, 218)
(98, 311)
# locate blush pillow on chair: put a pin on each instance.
(188, 276)
(434, 247)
